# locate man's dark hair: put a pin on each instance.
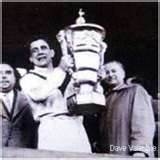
(38, 37)
(17, 76)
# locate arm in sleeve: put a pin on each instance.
(39, 89)
(142, 121)
(57, 101)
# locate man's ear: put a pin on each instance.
(123, 74)
(31, 59)
(52, 53)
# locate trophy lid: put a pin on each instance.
(81, 24)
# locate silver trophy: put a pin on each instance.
(84, 42)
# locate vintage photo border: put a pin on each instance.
(78, 1)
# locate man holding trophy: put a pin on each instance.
(58, 129)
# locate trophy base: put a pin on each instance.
(86, 104)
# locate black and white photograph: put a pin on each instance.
(79, 80)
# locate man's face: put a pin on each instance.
(114, 74)
(41, 54)
(7, 78)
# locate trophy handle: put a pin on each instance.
(63, 43)
(102, 52)
(101, 71)
(61, 37)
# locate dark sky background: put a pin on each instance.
(131, 32)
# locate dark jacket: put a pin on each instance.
(18, 126)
